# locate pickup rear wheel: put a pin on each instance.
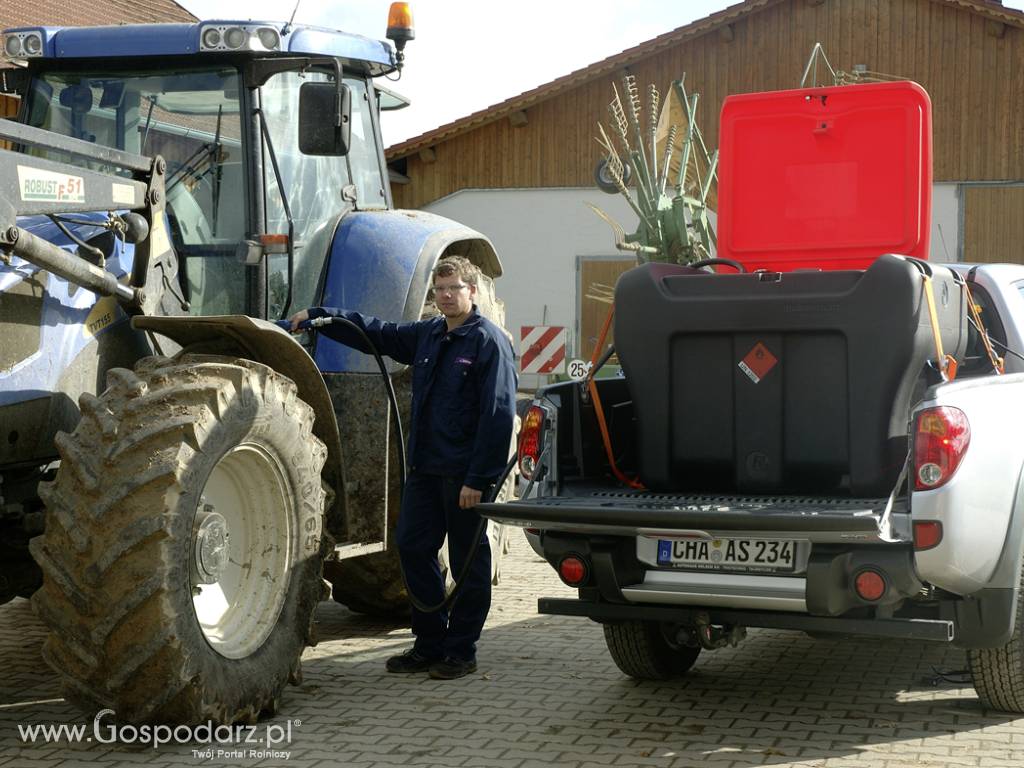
(998, 673)
(648, 650)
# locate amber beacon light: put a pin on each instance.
(400, 29)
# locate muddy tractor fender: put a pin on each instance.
(263, 342)
(380, 264)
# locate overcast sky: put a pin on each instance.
(467, 56)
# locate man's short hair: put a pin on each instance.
(466, 270)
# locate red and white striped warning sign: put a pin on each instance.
(542, 349)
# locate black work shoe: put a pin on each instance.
(410, 661)
(451, 669)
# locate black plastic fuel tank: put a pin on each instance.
(795, 382)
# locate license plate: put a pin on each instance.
(728, 554)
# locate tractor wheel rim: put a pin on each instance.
(241, 558)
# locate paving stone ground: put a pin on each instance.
(546, 693)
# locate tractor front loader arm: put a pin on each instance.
(31, 185)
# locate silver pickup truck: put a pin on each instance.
(805, 499)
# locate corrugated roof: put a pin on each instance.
(61, 13)
(989, 8)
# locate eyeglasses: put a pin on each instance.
(448, 290)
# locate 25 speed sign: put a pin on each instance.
(578, 369)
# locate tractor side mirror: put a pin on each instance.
(325, 119)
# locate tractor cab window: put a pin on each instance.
(318, 189)
(191, 118)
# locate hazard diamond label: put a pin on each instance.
(758, 362)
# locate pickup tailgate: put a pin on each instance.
(600, 510)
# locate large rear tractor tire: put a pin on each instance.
(183, 549)
(648, 650)
(373, 584)
(998, 673)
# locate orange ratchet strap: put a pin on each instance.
(947, 363)
(997, 362)
(599, 411)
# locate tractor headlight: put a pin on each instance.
(269, 38)
(19, 45)
(216, 36)
(211, 38)
(33, 44)
(234, 37)
(12, 46)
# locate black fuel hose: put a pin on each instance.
(393, 405)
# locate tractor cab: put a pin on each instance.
(265, 148)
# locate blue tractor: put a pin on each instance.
(178, 473)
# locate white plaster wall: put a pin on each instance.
(945, 235)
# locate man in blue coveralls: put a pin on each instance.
(463, 409)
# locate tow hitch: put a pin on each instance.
(711, 636)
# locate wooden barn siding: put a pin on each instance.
(973, 78)
(994, 224)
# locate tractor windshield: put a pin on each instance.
(191, 117)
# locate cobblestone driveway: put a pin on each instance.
(546, 693)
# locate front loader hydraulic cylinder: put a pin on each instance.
(74, 269)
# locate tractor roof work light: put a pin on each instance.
(400, 29)
(12, 46)
(234, 38)
(225, 36)
(23, 44)
(211, 38)
(33, 44)
(269, 38)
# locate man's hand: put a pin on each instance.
(298, 317)
(469, 497)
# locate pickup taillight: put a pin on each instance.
(531, 441)
(941, 437)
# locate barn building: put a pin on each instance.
(521, 171)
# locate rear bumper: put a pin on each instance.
(823, 587)
(615, 533)
(724, 590)
(610, 531)
(912, 629)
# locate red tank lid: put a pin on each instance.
(828, 178)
